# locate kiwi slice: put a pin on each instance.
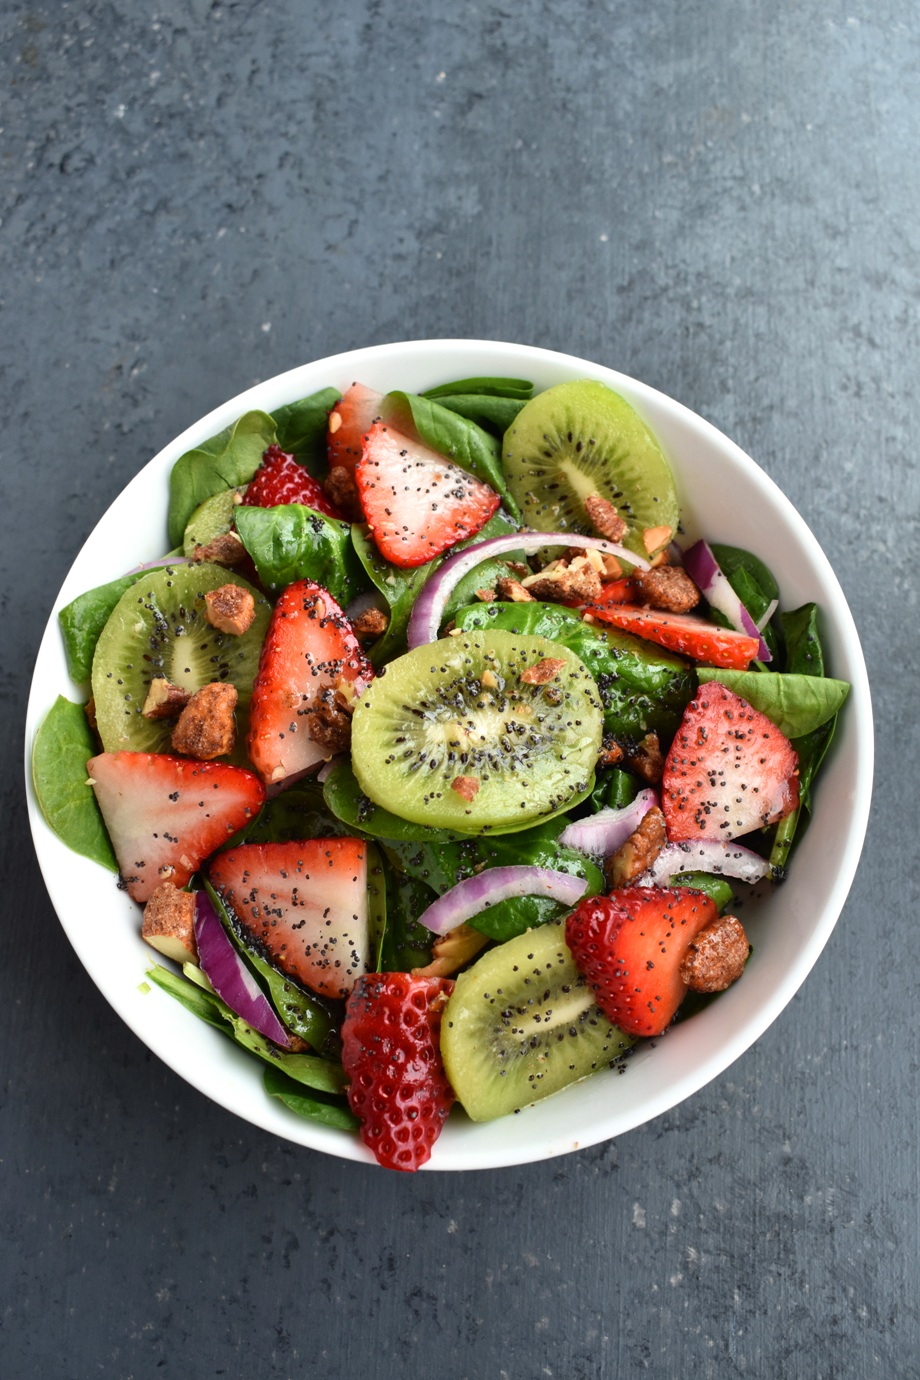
(211, 519)
(579, 439)
(521, 1024)
(159, 628)
(484, 730)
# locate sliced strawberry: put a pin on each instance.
(349, 422)
(417, 504)
(681, 632)
(281, 479)
(305, 905)
(391, 1052)
(310, 670)
(166, 814)
(622, 591)
(629, 947)
(729, 770)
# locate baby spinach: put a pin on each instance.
(63, 745)
(804, 653)
(797, 704)
(311, 1107)
(223, 462)
(642, 688)
(83, 619)
(301, 428)
(752, 581)
(494, 415)
(406, 943)
(292, 542)
(716, 888)
(521, 389)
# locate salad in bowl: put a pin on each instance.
(437, 732)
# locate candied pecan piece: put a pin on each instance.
(206, 727)
(605, 518)
(717, 956)
(577, 580)
(340, 488)
(370, 624)
(646, 759)
(450, 951)
(169, 923)
(639, 851)
(541, 671)
(512, 591)
(230, 609)
(467, 787)
(227, 549)
(668, 587)
(165, 700)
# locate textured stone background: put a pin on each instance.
(719, 198)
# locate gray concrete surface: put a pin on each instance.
(719, 198)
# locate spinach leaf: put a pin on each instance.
(377, 917)
(446, 432)
(63, 745)
(301, 428)
(716, 888)
(311, 1107)
(643, 688)
(83, 619)
(488, 387)
(811, 750)
(299, 812)
(804, 654)
(406, 943)
(223, 462)
(492, 414)
(201, 1001)
(293, 542)
(754, 584)
(797, 704)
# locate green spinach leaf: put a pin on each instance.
(301, 429)
(223, 462)
(82, 620)
(292, 542)
(797, 704)
(63, 745)
(311, 1107)
(488, 387)
(406, 943)
(804, 653)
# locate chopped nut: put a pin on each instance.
(519, 569)
(370, 624)
(335, 421)
(611, 753)
(169, 923)
(329, 725)
(639, 851)
(206, 727)
(542, 671)
(596, 559)
(488, 680)
(164, 700)
(230, 609)
(579, 580)
(467, 787)
(226, 549)
(646, 759)
(340, 488)
(485, 596)
(605, 518)
(668, 587)
(450, 951)
(513, 591)
(612, 568)
(717, 956)
(653, 537)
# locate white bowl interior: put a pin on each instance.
(724, 496)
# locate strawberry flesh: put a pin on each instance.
(417, 504)
(629, 947)
(391, 1052)
(682, 633)
(305, 906)
(349, 422)
(729, 770)
(310, 667)
(281, 479)
(166, 814)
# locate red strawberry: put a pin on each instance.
(417, 504)
(391, 1052)
(280, 479)
(729, 770)
(629, 947)
(349, 422)
(310, 669)
(166, 814)
(305, 904)
(681, 632)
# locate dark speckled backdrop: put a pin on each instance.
(720, 198)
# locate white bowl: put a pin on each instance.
(724, 496)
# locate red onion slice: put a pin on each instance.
(429, 606)
(602, 834)
(708, 855)
(469, 897)
(704, 570)
(229, 976)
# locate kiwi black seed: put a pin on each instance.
(159, 628)
(458, 736)
(581, 438)
(521, 1024)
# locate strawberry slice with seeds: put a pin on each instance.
(311, 670)
(166, 814)
(305, 906)
(391, 1052)
(683, 633)
(729, 770)
(629, 947)
(349, 422)
(417, 504)
(282, 479)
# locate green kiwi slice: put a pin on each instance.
(579, 439)
(211, 519)
(521, 1024)
(464, 734)
(159, 628)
